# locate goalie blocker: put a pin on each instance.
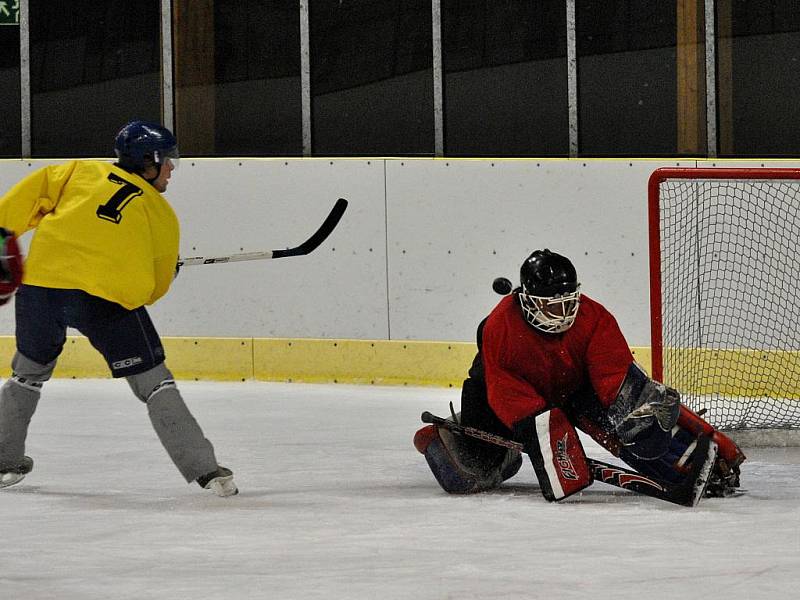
(557, 455)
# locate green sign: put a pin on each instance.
(9, 12)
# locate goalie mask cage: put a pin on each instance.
(724, 300)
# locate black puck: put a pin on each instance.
(502, 286)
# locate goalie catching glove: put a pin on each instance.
(10, 265)
(643, 414)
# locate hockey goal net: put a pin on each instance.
(724, 295)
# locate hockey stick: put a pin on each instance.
(306, 247)
(688, 494)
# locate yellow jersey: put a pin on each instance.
(98, 228)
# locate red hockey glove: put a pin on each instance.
(10, 265)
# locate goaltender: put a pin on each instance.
(551, 360)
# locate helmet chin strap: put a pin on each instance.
(152, 180)
(158, 158)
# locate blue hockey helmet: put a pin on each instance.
(140, 144)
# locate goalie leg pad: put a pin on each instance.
(460, 466)
(651, 443)
(557, 456)
(673, 465)
(688, 456)
(689, 464)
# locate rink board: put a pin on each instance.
(382, 362)
(379, 362)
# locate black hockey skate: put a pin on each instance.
(723, 481)
(11, 475)
(220, 482)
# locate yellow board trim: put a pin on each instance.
(770, 373)
(376, 362)
(220, 359)
(409, 362)
(379, 362)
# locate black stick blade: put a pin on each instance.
(319, 236)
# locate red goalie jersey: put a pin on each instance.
(528, 371)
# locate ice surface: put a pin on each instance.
(335, 503)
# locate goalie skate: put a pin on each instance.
(703, 461)
(14, 475)
(723, 481)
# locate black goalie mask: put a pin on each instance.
(550, 294)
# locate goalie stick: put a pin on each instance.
(311, 244)
(688, 494)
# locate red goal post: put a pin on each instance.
(724, 300)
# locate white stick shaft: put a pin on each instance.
(209, 260)
(311, 244)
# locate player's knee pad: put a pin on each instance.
(149, 384)
(462, 465)
(29, 374)
(556, 453)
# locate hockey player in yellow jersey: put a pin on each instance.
(105, 245)
(98, 228)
